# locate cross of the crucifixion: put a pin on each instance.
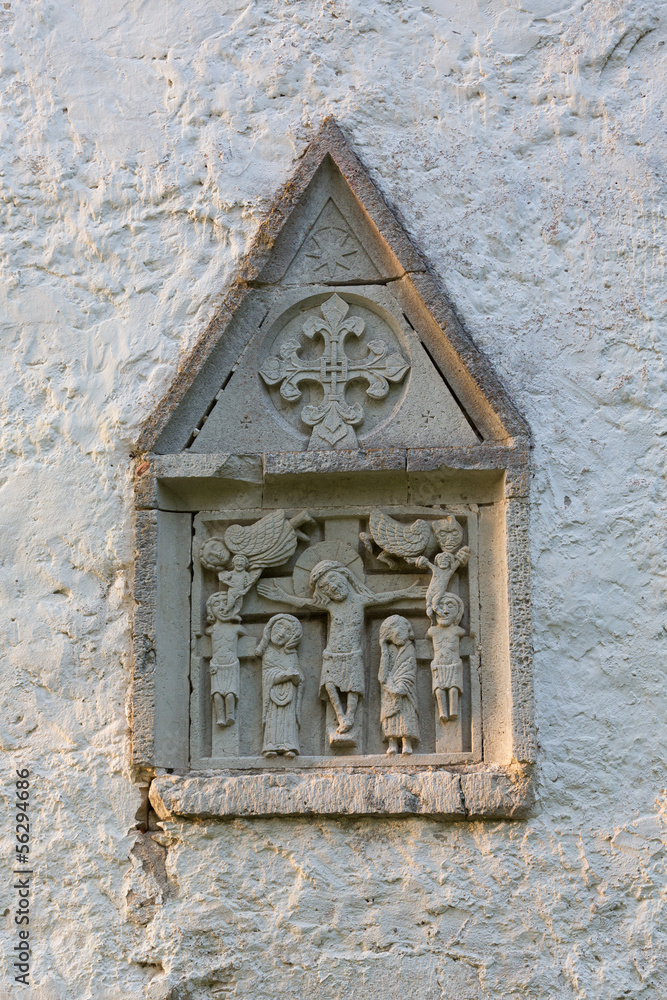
(333, 420)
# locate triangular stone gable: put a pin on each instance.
(334, 336)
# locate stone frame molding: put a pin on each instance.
(175, 482)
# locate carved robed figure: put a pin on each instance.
(282, 685)
(399, 713)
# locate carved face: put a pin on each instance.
(239, 563)
(449, 538)
(216, 607)
(396, 632)
(281, 632)
(334, 585)
(448, 610)
(214, 554)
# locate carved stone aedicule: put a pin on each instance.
(343, 602)
(323, 635)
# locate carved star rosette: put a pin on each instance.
(333, 419)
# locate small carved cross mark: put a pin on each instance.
(427, 417)
(333, 420)
(245, 421)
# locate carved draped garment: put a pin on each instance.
(281, 700)
(344, 670)
(447, 665)
(398, 681)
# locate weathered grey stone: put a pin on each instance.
(361, 793)
(497, 793)
(300, 462)
(161, 641)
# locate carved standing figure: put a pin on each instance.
(345, 599)
(225, 667)
(282, 685)
(449, 534)
(447, 666)
(399, 714)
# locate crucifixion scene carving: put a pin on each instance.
(332, 499)
(313, 643)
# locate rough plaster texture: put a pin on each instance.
(524, 146)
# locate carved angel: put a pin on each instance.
(449, 534)
(395, 537)
(268, 542)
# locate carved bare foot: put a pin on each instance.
(393, 745)
(290, 753)
(270, 753)
(345, 724)
(407, 744)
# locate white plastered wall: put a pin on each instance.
(524, 146)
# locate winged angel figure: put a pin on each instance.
(252, 548)
(409, 542)
(395, 538)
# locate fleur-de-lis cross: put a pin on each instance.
(333, 420)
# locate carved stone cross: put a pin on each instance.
(333, 420)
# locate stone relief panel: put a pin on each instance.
(333, 372)
(322, 636)
(332, 622)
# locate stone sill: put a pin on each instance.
(486, 791)
(349, 762)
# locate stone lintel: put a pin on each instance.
(512, 459)
(155, 474)
(373, 460)
(476, 456)
(158, 477)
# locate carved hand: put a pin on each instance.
(272, 592)
(394, 687)
(415, 591)
(285, 676)
(463, 555)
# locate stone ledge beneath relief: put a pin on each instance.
(493, 793)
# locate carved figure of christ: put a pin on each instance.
(345, 598)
